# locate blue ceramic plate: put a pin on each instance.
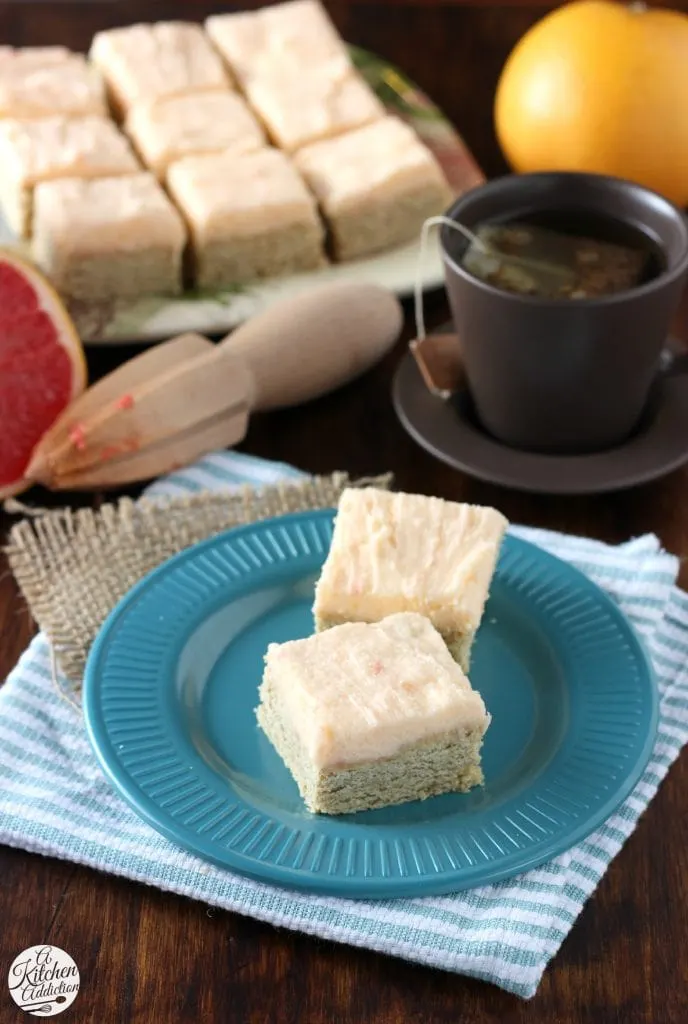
(171, 687)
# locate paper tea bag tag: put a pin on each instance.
(438, 357)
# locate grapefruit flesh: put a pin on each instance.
(42, 366)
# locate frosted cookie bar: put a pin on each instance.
(283, 40)
(144, 63)
(296, 72)
(49, 81)
(366, 716)
(55, 147)
(108, 237)
(395, 552)
(375, 186)
(198, 123)
(250, 216)
(318, 105)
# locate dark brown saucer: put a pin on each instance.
(450, 431)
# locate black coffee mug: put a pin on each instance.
(564, 375)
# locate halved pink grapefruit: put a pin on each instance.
(42, 365)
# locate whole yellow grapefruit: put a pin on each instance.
(602, 87)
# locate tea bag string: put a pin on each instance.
(432, 222)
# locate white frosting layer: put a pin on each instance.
(64, 84)
(394, 552)
(24, 58)
(361, 692)
(60, 147)
(296, 71)
(278, 41)
(224, 194)
(106, 215)
(143, 63)
(198, 123)
(381, 159)
(315, 105)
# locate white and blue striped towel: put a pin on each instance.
(54, 799)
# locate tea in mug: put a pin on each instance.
(562, 256)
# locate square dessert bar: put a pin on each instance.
(143, 63)
(198, 123)
(395, 552)
(55, 147)
(296, 72)
(277, 41)
(366, 715)
(108, 237)
(375, 186)
(250, 216)
(319, 104)
(48, 81)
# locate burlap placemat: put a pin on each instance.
(74, 566)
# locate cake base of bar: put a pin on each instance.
(275, 253)
(459, 644)
(449, 765)
(446, 764)
(381, 224)
(127, 274)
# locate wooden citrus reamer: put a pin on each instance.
(188, 396)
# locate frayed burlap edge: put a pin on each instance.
(74, 566)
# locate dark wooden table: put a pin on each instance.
(145, 956)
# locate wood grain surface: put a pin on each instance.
(146, 956)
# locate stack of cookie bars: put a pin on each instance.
(180, 155)
(376, 707)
